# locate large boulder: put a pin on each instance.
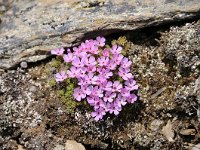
(29, 29)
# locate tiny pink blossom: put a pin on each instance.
(125, 63)
(112, 65)
(103, 61)
(125, 92)
(90, 61)
(101, 79)
(125, 73)
(99, 104)
(79, 94)
(117, 58)
(77, 62)
(114, 108)
(121, 101)
(87, 89)
(101, 41)
(109, 96)
(82, 72)
(94, 49)
(73, 72)
(91, 69)
(107, 73)
(131, 85)
(98, 114)
(108, 86)
(57, 51)
(105, 52)
(60, 76)
(117, 86)
(91, 78)
(69, 57)
(69, 50)
(97, 92)
(132, 98)
(116, 49)
(93, 100)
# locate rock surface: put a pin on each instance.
(29, 29)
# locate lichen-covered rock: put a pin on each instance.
(29, 29)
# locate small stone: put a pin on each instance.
(73, 145)
(33, 89)
(196, 147)
(2, 8)
(24, 64)
(156, 124)
(188, 132)
(59, 147)
(20, 147)
(168, 131)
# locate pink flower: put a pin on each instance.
(107, 73)
(108, 86)
(125, 74)
(69, 57)
(101, 79)
(98, 114)
(100, 70)
(82, 72)
(73, 72)
(112, 65)
(94, 49)
(57, 51)
(101, 41)
(93, 100)
(90, 61)
(117, 58)
(77, 51)
(77, 62)
(97, 92)
(132, 98)
(125, 63)
(60, 76)
(109, 97)
(87, 89)
(125, 92)
(103, 61)
(105, 53)
(91, 79)
(121, 101)
(131, 85)
(82, 82)
(117, 86)
(79, 94)
(68, 50)
(116, 49)
(114, 108)
(91, 69)
(99, 103)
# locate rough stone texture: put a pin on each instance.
(29, 29)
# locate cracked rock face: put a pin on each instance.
(29, 29)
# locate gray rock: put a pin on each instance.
(30, 29)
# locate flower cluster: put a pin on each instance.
(103, 76)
